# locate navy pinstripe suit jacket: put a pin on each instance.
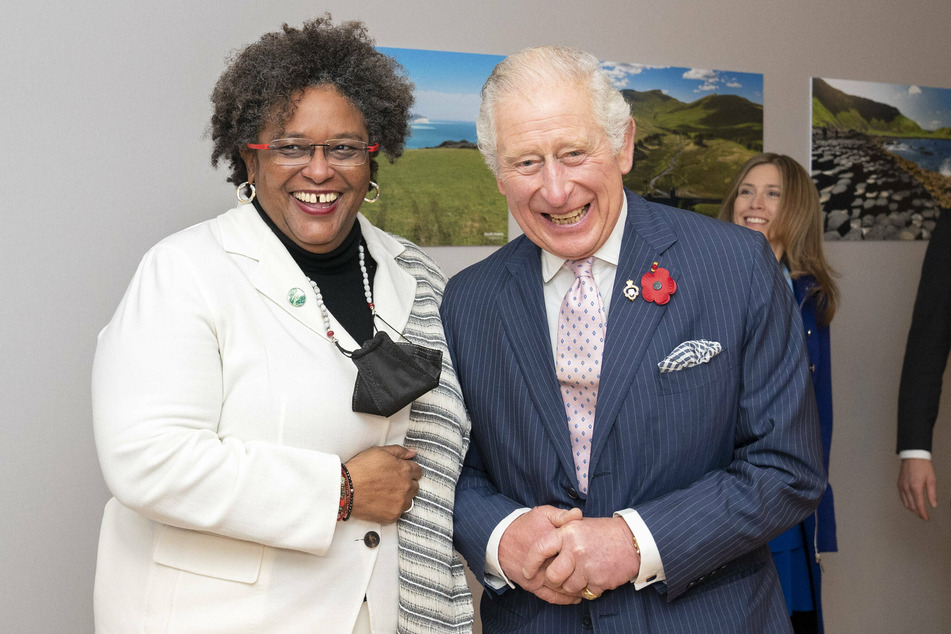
(717, 459)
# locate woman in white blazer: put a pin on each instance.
(254, 489)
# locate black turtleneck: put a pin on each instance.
(338, 276)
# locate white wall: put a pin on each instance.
(102, 111)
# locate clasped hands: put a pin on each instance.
(556, 554)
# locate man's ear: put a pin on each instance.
(501, 186)
(626, 157)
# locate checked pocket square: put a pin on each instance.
(689, 354)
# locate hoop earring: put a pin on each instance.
(242, 197)
(375, 198)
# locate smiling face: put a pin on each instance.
(757, 202)
(313, 204)
(562, 183)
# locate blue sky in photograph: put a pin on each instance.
(447, 84)
(685, 84)
(928, 107)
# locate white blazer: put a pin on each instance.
(222, 414)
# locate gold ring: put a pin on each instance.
(587, 594)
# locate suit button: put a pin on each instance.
(586, 622)
(572, 493)
(812, 368)
(809, 332)
(371, 539)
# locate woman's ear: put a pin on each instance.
(250, 159)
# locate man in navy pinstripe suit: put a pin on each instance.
(697, 458)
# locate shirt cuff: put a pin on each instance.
(652, 568)
(494, 577)
(921, 454)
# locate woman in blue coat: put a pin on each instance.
(774, 195)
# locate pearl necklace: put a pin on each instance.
(325, 314)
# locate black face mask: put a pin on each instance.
(391, 375)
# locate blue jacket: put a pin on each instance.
(816, 532)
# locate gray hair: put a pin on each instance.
(548, 68)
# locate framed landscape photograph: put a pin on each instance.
(881, 158)
(440, 192)
(695, 129)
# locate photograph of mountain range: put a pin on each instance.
(695, 129)
(881, 158)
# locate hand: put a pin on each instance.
(595, 553)
(915, 478)
(519, 537)
(385, 481)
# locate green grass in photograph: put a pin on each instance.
(707, 171)
(440, 196)
(677, 164)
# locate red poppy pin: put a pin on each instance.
(657, 285)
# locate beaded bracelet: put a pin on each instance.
(346, 495)
(343, 496)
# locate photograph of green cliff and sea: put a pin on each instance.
(881, 158)
(440, 193)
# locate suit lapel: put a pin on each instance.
(522, 313)
(276, 275)
(631, 324)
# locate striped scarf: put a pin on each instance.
(433, 593)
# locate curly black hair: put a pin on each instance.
(264, 81)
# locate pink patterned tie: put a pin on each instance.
(580, 347)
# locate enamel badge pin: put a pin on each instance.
(631, 291)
